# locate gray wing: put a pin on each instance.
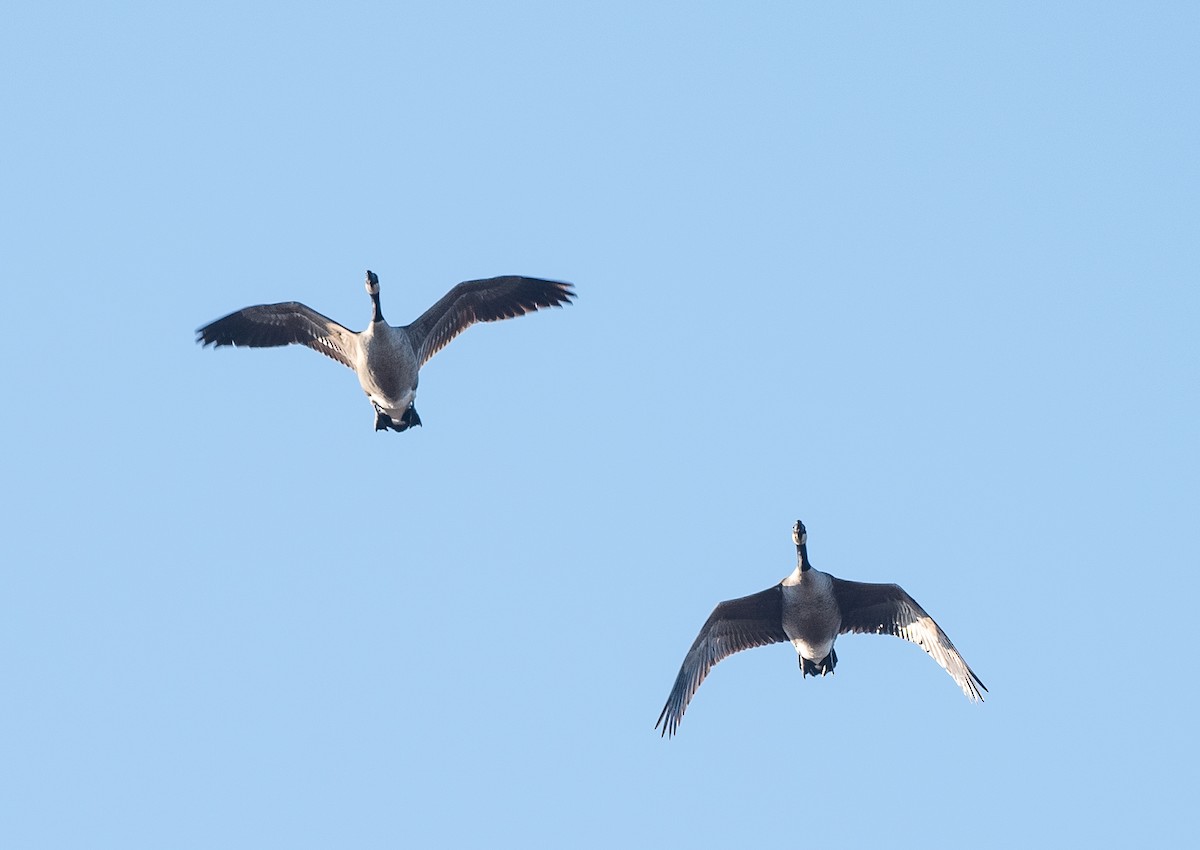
(887, 609)
(482, 301)
(269, 325)
(734, 625)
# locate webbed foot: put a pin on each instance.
(410, 419)
(384, 422)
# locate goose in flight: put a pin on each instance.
(810, 609)
(386, 357)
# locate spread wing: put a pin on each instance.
(887, 609)
(734, 625)
(482, 301)
(268, 325)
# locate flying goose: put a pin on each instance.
(386, 357)
(810, 609)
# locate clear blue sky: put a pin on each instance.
(922, 275)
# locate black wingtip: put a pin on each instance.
(204, 338)
(553, 293)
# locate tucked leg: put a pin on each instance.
(410, 419)
(818, 668)
(384, 422)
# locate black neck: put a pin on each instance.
(378, 316)
(802, 557)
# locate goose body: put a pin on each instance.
(810, 615)
(809, 609)
(387, 358)
(387, 370)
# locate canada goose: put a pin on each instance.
(385, 357)
(810, 609)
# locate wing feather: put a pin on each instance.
(734, 625)
(482, 301)
(269, 325)
(888, 609)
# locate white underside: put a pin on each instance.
(392, 407)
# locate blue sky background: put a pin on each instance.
(923, 275)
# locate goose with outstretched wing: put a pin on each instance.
(810, 609)
(387, 358)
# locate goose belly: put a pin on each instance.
(387, 373)
(811, 618)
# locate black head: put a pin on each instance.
(373, 291)
(800, 535)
